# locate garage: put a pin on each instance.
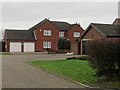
(29, 47)
(15, 47)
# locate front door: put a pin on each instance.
(84, 47)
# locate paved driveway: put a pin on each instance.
(17, 74)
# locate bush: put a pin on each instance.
(64, 44)
(103, 57)
(85, 57)
(71, 58)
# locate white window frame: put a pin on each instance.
(34, 35)
(46, 44)
(61, 34)
(47, 32)
(74, 34)
(86, 39)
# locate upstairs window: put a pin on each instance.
(61, 34)
(76, 34)
(47, 32)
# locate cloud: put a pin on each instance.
(60, 0)
(27, 14)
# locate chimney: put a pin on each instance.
(78, 23)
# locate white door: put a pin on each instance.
(29, 47)
(15, 47)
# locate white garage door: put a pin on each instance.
(29, 47)
(15, 47)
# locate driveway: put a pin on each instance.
(17, 74)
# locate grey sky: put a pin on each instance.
(27, 14)
(60, 0)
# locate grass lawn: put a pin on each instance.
(77, 70)
(4, 53)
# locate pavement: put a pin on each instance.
(16, 73)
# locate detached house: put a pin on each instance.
(42, 36)
(96, 31)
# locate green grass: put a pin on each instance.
(77, 70)
(4, 53)
(112, 84)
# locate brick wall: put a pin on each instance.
(41, 38)
(54, 35)
(93, 34)
(74, 47)
(75, 28)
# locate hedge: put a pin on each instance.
(104, 58)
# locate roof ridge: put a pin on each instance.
(61, 22)
(102, 23)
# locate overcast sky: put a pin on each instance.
(23, 15)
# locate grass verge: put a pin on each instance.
(77, 70)
(5, 53)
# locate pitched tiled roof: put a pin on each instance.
(60, 25)
(19, 34)
(105, 29)
(37, 25)
(108, 29)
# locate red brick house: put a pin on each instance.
(41, 36)
(97, 31)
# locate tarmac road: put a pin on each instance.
(17, 74)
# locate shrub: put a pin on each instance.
(71, 58)
(64, 44)
(85, 57)
(103, 57)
